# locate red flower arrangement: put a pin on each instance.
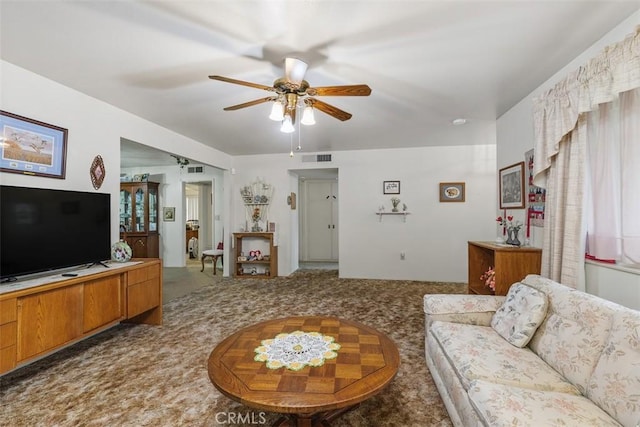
(508, 223)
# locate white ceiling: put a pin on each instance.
(427, 62)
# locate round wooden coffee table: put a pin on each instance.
(365, 362)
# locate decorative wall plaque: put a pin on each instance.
(97, 172)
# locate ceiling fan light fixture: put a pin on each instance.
(287, 125)
(295, 70)
(308, 117)
(277, 111)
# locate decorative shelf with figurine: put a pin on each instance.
(394, 211)
(257, 197)
(403, 214)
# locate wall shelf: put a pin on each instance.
(403, 214)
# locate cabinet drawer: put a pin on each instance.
(143, 274)
(8, 334)
(7, 358)
(8, 312)
(142, 297)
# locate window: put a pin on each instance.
(613, 180)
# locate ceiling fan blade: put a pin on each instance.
(251, 103)
(294, 70)
(242, 82)
(329, 109)
(350, 90)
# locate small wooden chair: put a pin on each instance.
(215, 254)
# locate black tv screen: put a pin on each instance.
(46, 229)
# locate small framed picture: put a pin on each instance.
(31, 147)
(511, 185)
(390, 187)
(452, 192)
(169, 214)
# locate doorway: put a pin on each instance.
(198, 206)
(319, 226)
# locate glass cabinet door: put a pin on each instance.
(140, 207)
(125, 211)
(153, 209)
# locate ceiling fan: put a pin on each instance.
(292, 90)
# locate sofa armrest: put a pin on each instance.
(469, 309)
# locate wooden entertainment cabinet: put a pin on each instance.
(39, 320)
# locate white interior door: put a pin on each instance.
(321, 220)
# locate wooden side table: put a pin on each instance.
(510, 263)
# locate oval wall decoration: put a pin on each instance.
(97, 172)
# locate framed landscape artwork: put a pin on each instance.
(32, 147)
(511, 185)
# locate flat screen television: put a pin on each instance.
(44, 229)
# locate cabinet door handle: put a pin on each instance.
(329, 226)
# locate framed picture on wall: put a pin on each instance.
(390, 187)
(169, 213)
(511, 186)
(452, 192)
(31, 147)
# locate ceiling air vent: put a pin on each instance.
(195, 169)
(316, 158)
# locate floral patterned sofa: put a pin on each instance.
(545, 354)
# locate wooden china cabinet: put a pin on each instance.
(139, 218)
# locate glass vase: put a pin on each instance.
(512, 237)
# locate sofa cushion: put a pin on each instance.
(615, 383)
(522, 312)
(575, 331)
(499, 405)
(471, 309)
(478, 352)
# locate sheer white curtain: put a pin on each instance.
(192, 208)
(560, 126)
(613, 184)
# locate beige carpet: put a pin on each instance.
(139, 375)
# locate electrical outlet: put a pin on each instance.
(402, 255)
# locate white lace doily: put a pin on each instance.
(296, 350)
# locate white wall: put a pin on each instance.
(94, 128)
(515, 134)
(435, 235)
